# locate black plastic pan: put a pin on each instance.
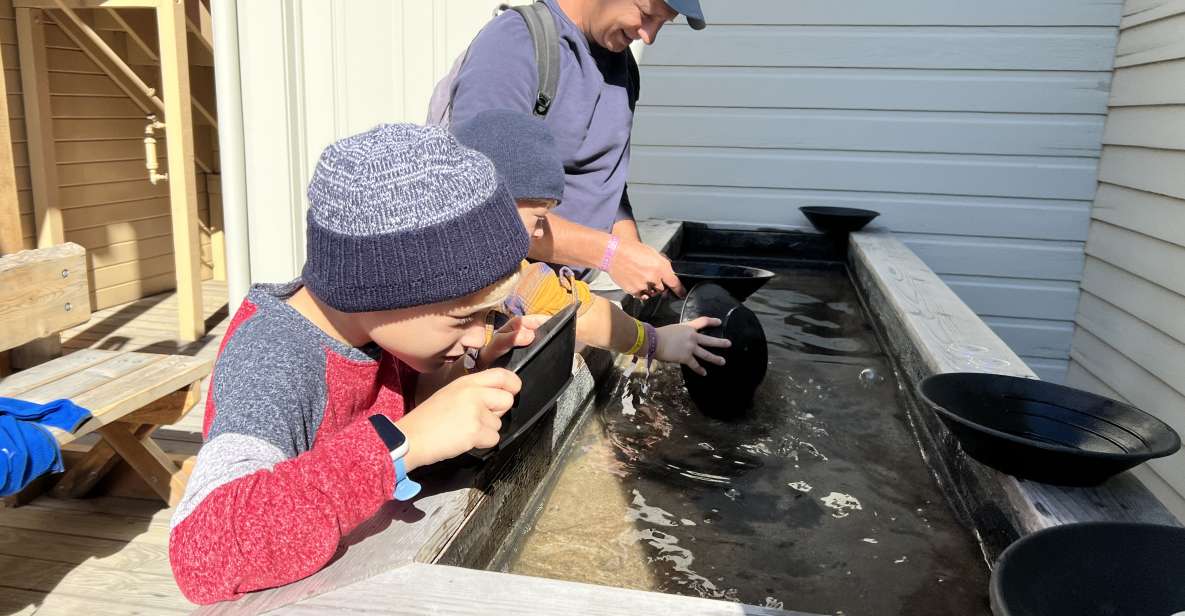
(545, 367)
(838, 219)
(738, 280)
(1092, 569)
(726, 391)
(1045, 432)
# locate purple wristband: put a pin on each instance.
(610, 250)
(651, 343)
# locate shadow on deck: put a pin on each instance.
(108, 554)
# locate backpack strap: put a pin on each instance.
(634, 89)
(546, 38)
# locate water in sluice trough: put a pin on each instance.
(818, 500)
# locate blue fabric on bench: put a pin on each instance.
(27, 448)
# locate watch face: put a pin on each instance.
(392, 437)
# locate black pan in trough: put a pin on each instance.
(738, 280)
(545, 367)
(726, 392)
(1092, 569)
(1045, 432)
(838, 219)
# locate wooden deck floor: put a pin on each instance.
(108, 554)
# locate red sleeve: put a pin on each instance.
(279, 524)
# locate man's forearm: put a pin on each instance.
(627, 229)
(570, 243)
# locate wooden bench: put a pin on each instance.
(129, 395)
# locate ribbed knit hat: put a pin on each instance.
(522, 148)
(403, 215)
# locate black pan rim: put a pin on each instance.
(1147, 454)
(995, 584)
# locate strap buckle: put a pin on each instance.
(542, 104)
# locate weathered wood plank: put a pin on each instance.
(133, 588)
(77, 383)
(42, 292)
(88, 524)
(452, 590)
(879, 131)
(77, 549)
(119, 396)
(884, 89)
(65, 604)
(926, 324)
(985, 47)
(14, 385)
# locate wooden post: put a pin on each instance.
(174, 67)
(43, 164)
(11, 237)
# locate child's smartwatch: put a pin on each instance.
(396, 442)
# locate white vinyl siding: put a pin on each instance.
(1130, 337)
(974, 127)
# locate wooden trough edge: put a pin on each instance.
(922, 318)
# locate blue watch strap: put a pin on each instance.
(405, 487)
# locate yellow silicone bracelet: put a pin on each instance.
(640, 341)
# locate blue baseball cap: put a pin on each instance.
(691, 10)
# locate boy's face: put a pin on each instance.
(533, 212)
(428, 337)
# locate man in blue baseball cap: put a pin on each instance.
(590, 116)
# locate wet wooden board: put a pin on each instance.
(925, 323)
(438, 589)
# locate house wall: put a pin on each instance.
(1130, 336)
(318, 70)
(108, 205)
(974, 127)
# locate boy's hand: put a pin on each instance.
(463, 415)
(683, 344)
(519, 331)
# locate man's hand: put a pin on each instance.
(642, 271)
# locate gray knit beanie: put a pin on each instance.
(403, 215)
(522, 148)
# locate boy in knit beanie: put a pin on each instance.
(309, 427)
(523, 150)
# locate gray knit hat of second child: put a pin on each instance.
(403, 215)
(522, 149)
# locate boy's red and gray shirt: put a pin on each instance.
(291, 463)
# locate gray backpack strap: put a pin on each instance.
(541, 25)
